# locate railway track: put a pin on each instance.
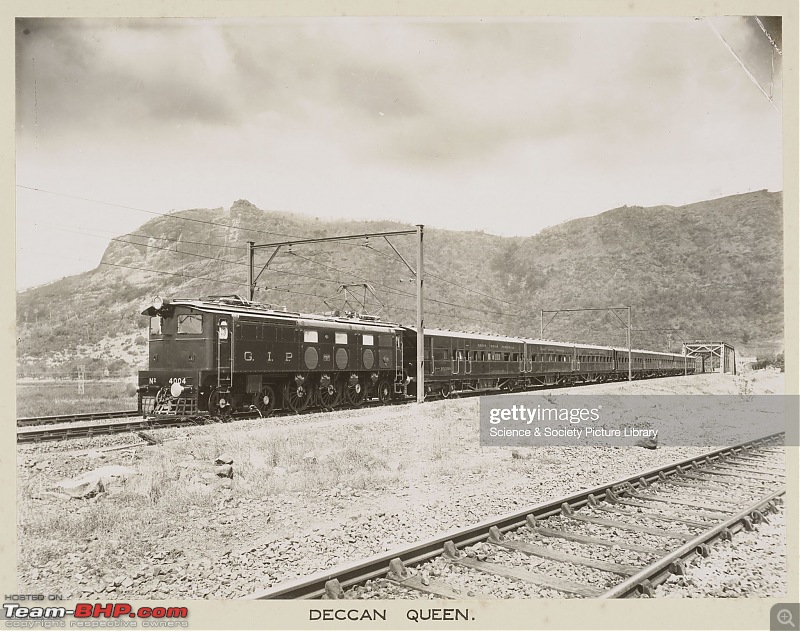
(88, 430)
(40, 429)
(617, 540)
(34, 421)
(29, 429)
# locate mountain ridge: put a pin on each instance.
(714, 269)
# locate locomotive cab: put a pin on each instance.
(180, 349)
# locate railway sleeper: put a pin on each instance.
(496, 538)
(399, 575)
(515, 573)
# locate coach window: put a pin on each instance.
(155, 325)
(366, 340)
(190, 324)
(311, 336)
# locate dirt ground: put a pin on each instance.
(306, 493)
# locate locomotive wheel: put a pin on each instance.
(296, 397)
(355, 393)
(264, 400)
(219, 404)
(384, 391)
(328, 396)
(162, 397)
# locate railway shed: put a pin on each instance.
(717, 356)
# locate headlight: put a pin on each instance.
(158, 302)
(175, 390)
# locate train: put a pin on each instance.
(224, 355)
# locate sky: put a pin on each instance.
(501, 125)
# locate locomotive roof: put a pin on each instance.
(260, 311)
(235, 305)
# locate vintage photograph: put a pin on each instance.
(442, 309)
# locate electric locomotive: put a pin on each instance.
(224, 354)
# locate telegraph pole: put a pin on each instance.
(250, 260)
(630, 376)
(420, 321)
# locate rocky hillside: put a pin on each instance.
(714, 269)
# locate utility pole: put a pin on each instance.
(420, 322)
(541, 324)
(630, 376)
(251, 289)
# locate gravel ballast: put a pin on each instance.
(307, 493)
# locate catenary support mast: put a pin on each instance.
(252, 279)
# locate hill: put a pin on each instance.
(714, 269)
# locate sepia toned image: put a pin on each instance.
(447, 309)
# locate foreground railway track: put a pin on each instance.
(41, 429)
(34, 421)
(87, 430)
(617, 540)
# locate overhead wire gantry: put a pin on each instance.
(252, 278)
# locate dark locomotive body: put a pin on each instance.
(223, 355)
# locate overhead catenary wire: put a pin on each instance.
(410, 295)
(153, 212)
(276, 270)
(226, 226)
(512, 316)
(445, 316)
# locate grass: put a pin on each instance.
(284, 471)
(50, 398)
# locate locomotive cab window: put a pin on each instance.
(312, 336)
(366, 340)
(156, 323)
(190, 324)
(341, 338)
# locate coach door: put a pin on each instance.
(224, 351)
(467, 358)
(459, 362)
(430, 364)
